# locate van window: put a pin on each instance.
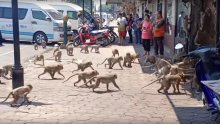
(6, 12)
(55, 14)
(38, 15)
(72, 15)
(61, 11)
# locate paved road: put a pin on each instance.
(57, 102)
(26, 51)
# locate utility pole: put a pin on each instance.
(100, 9)
(83, 10)
(91, 7)
(17, 69)
(217, 22)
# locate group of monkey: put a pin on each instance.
(82, 76)
(166, 73)
(172, 74)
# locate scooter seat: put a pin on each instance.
(98, 31)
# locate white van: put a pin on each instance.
(37, 22)
(71, 10)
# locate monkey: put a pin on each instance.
(52, 69)
(55, 50)
(83, 65)
(39, 58)
(114, 52)
(134, 56)
(69, 50)
(169, 80)
(2, 74)
(151, 59)
(112, 61)
(105, 79)
(22, 91)
(58, 55)
(7, 69)
(127, 59)
(35, 46)
(85, 48)
(44, 44)
(96, 47)
(83, 76)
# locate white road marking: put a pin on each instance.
(12, 51)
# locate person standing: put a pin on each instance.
(139, 25)
(147, 28)
(134, 26)
(129, 28)
(121, 21)
(159, 32)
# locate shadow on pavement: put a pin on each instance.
(190, 115)
(102, 92)
(26, 104)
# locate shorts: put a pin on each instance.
(122, 34)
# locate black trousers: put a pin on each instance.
(158, 45)
(130, 36)
(146, 44)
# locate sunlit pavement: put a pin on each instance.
(57, 102)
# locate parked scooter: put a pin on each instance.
(113, 35)
(87, 36)
(208, 68)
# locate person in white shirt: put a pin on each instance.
(121, 22)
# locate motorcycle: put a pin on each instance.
(86, 36)
(113, 35)
(208, 69)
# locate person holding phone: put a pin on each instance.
(147, 28)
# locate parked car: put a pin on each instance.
(37, 22)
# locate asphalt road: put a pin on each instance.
(26, 51)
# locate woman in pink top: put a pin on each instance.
(147, 28)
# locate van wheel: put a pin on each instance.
(39, 37)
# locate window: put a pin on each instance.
(183, 19)
(6, 12)
(169, 17)
(61, 11)
(56, 15)
(38, 15)
(1, 12)
(22, 13)
(72, 15)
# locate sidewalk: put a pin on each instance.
(57, 102)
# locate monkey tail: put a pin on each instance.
(90, 80)
(152, 82)
(102, 62)
(69, 78)
(7, 97)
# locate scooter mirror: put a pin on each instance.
(179, 46)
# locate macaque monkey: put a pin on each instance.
(85, 48)
(44, 44)
(19, 92)
(36, 46)
(114, 52)
(58, 55)
(39, 58)
(96, 47)
(52, 69)
(83, 76)
(151, 59)
(55, 50)
(134, 57)
(112, 61)
(7, 69)
(83, 65)
(105, 79)
(127, 60)
(169, 80)
(2, 74)
(69, 50)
